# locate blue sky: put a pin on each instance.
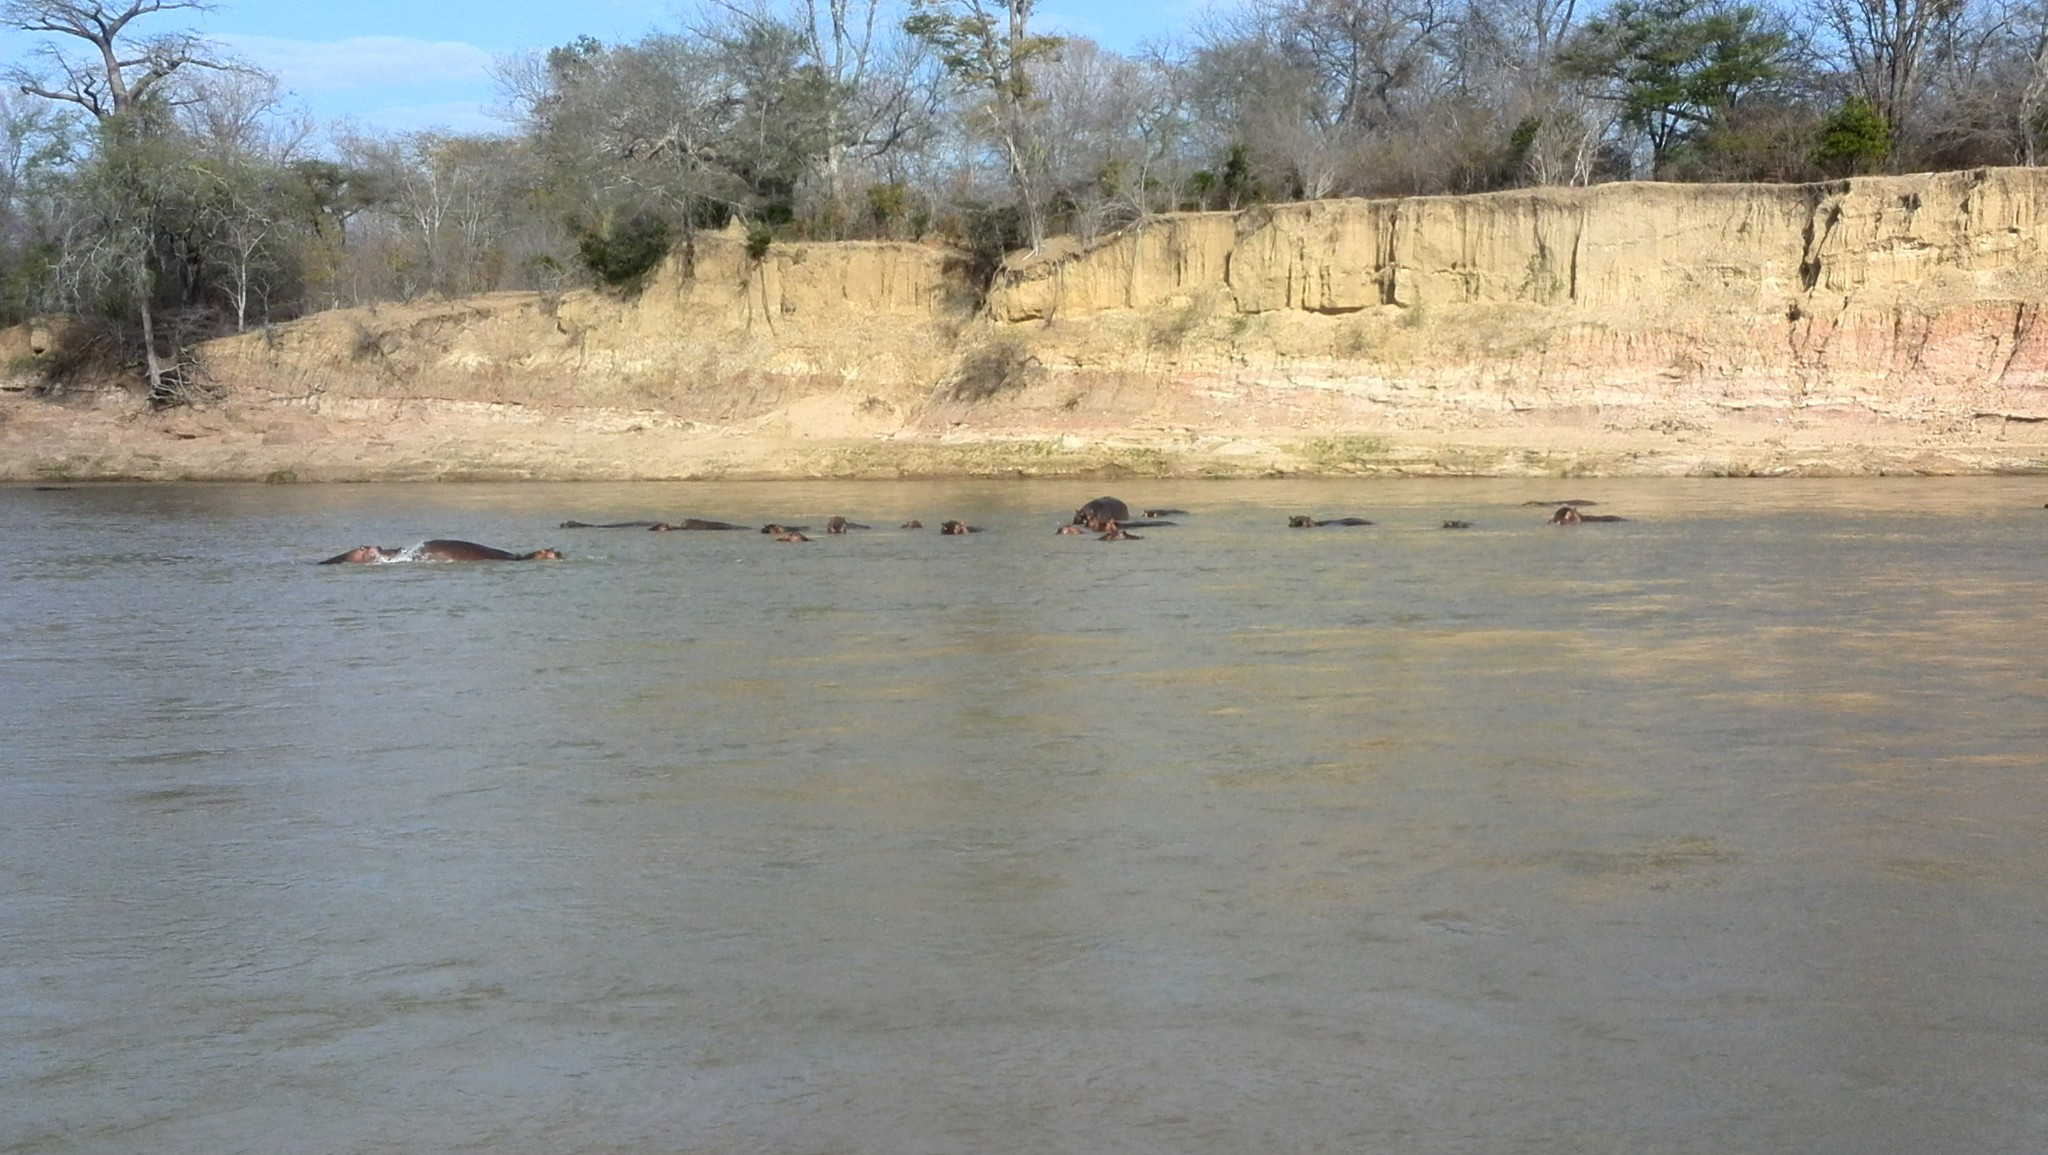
(395, 65)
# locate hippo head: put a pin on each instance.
(360, 555)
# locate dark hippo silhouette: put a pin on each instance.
(837, 524)
(1166, 513)
(777, 528)
(913, 523)
(692, 523)
(1311, 523)
(1116, 532)
(445, 549)
(656, 526)
(1102, 509)
(1456, 525)
(956, 528)
(438, 549)
(1566, 515)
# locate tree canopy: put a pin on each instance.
(151, 181)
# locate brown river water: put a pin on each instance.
(1717, 830)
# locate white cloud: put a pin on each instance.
(310, 66)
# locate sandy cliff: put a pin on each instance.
(1858, 326)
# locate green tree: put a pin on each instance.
(127, 202)
(1675, 67)
(1854, 140)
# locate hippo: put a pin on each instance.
(1116, 532)
(1102, 509)
(1575, 502)
(1311, 523)
(1566, 515)
(1166, 513)
(444, 549)
(1102, 524)
(913, 523)
(837, 524)
(691, 523)
(364, 555)
(1073, 530)
(439, 549)
(956, 528)
(777, 529)
(1456, 525)
(792, 535)
(656, 526)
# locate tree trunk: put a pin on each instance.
(154, 366)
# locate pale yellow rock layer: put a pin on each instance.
(1870, 325)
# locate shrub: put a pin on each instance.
(1854, 140)
(621, 253)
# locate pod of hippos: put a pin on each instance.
(1106, 517)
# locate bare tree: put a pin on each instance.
(990, 48)
(120, 70)
(874, 92)
(121, 74)
(1111, 128)
(240, 112)
(1365, 56)
(2028, 25)
(1884, 46)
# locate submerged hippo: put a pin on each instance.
(913, 523)
(1166, 513)
(837, 524)
(444, 549)
(792, 535)
(1102, 509)
(777, 529)
(439, 549)
(1456, 525)
(655, 526)
(956, 528)
(1311, 523)
(1571, 501)
(692, 523)
(1566, 515)
(1116, 532)
(1073, 530)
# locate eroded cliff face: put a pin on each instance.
(1740, 328)
(1619, 246)
(1856, 326)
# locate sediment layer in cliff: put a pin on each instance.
(1873, 323)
